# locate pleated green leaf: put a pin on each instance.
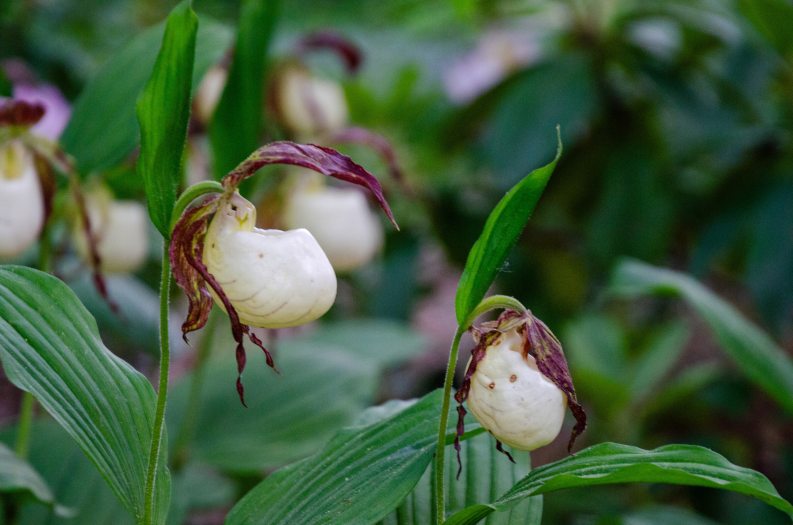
(486, 474)
(163, 111)
(18, 476)
(73, 479)
(236, 126)
(103, 129)
(50, 346)
(361, 475)
(502, 229)
(762, 360)
(612, 463)
(290, 415)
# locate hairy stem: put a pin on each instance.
(440, 449)
(162, 392)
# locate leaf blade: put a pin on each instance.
(50, 346)
(360, 475)
(163, 111)
(500, 233)
(17, 475)
(103, 128)
(236, 125)
(754, 352)
(611, 463)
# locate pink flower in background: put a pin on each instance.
(27, 88)
(497, 54)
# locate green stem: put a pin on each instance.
(23, 427)
(192, 193)
(190, 420)
(162, 392)
(440, 449)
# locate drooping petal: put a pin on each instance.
(546, 349)
(344, 48)
(326, 161)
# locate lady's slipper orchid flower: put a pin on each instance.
(517, 383)
(274, 279)
(306, 105)
(209, 91)
(21, 199)
(120, 229)
(309, 106)
(259, 277)
(340, 219)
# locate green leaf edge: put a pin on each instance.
(554, 476)
(481, 267)
(159, 165)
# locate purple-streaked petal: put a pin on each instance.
(317, 158)
(546, 349)
(20, 113)
(58, 110)
(346, 50)
(193, 277)
(380, 144)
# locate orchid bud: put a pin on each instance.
(120, 229)
(21, 200)
(511, 398)
(517, 383)
(307, 105)
(340, 219)
(272, 278)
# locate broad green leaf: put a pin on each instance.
(18, 476)
(136, 324)
(771, 18)
(383, 342)
(501, 232)
(561, 90)
(198, 488)
(754, 352)
(657, 360)
(163, 111)
(691, 381)
(362, 474)
(612, 463)
(73, 479)
(103, 129)
(664, 515)
(486, 474)
(289, 416)
(50, 346)
(235, 130)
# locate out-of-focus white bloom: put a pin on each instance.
(21, 200)
(308, 105)
(273, 278)
(512, 399)
(121, 231)
(341, 221)
(208, 93)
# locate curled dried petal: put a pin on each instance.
(380, 144)
(326, 161)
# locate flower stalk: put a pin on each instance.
(162, 391)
